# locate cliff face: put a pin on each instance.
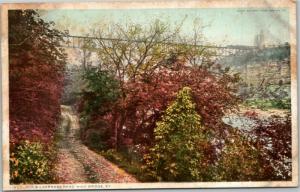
(268, 65)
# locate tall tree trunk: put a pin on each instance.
(118, 123)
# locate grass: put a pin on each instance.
(126, 162)
(92, 176)
(265, 104)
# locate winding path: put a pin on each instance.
(78, 164)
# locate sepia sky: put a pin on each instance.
(222, 26)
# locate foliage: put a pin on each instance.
(261, 154)
(29, 164)
(147, 98)
(125, 161)
(144, 61)
(131, 50)
(269, 103)
(269, 96)
(102, 89)
(238, 159)
(134, 50)
(177, 154)
(101, 92)
(95, 134)
(143, 101)
(129, 103)
(36, 66)
(273, 138)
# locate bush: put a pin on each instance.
(273, 139)
(29, 164)
(95, 139)
(261, 154)
(94, 133)
(178, 154)
(238, 159)
(112, 155)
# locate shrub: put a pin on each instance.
(125, 161)
(94, 132)
(177, 154)
(112, 155)
(238, 159)
(261, 154)
(29, 164)
(273, 139)
(95, 139)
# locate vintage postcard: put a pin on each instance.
(154, 94)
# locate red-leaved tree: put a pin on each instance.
(36, 66)
(133, 119)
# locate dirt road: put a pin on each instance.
(78, 164)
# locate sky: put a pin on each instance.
(224, 26)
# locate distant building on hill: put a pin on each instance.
(259, 40)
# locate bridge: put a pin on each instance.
(78, 42)
(279, 71)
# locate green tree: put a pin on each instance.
(101, 90)
(177, 154)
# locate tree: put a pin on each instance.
(151, 64)
(130, 51)
(177, 154)
(36, 69)
(147, 99)
(87, 48)
(101, 90)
